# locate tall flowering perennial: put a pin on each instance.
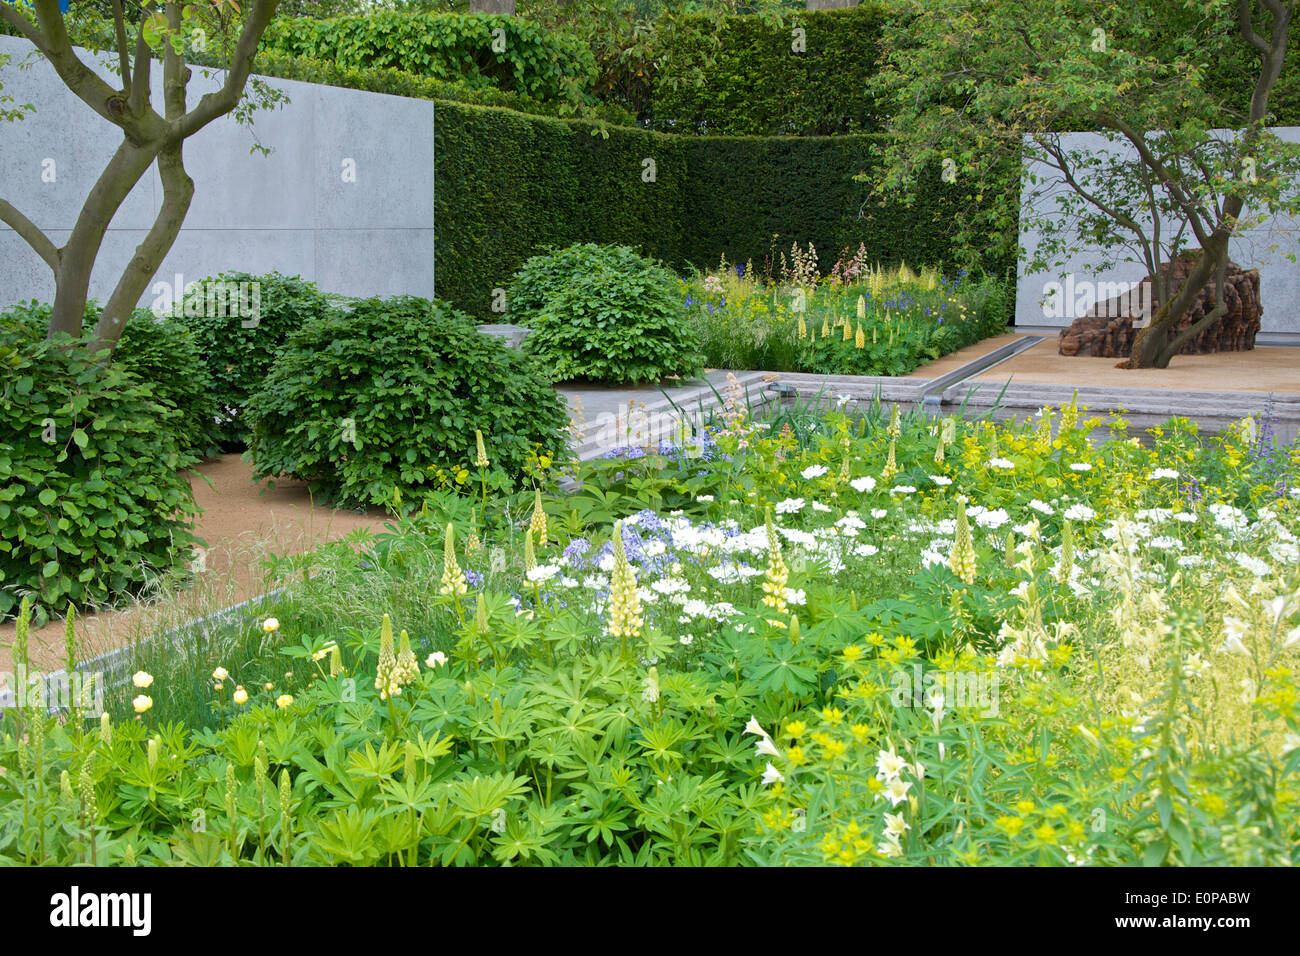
(777, 575)
(453, 578)
(1070, 413)
(407, 668)
(624, 600)
(537, 523)
(530, 553)
(947, 435)
(386, 673)
(962, 559)
(480, 450)
(860, 338)
(895, 428)
(1066, 564)
(891, 462)
(1043, 435)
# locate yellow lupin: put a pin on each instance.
(537, 523)
(624, 600)
(480, 450)
(962, 559)
(453, 578)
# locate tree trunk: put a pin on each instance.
(178, 190)
(77, 258)
(1151, 344)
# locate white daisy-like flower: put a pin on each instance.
(814, 471)
(1080, 466)
(863, 485)
(790, 506)
(1005, 464)
(1080, 513)
(878, 513)
(902, 490)
(1162, 473)
(993, 519)
(818, 506)
(1042, 507)
(941, 480)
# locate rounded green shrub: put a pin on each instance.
(239, 348)
(163, 354)
(604, 314)
(387, 396)
(93, 501)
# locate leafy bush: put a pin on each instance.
(604, 313)
(384, 395)
(240, 349)
(446, 46)
(163, 354)
(93, 501)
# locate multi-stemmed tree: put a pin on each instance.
(1193, 163)
(150, 134)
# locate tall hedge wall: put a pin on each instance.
(757, 84)
(507, 185)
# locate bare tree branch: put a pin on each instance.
(31, 234)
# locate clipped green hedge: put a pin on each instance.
(509, 185)
(756, 83)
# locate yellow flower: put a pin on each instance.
(796, 728)
(1010, 825)
(962, 558)
(1025, 806)
(220, 674)
(240, 696)
(142, 679)
(480, 456)
(832, 715)
(141, 703)
(270, 625)
(624, 600)
(268, 686)
(283, 701)
(851, 653)
(795, 756)
(453, 578)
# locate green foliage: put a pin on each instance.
(94, 501)
(239, 350)
(749, 79)
(604, 314)
(163, 354)
(528, 59)
(851, 703)
(386, 394)
(511, 185)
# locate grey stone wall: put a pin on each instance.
(345, 198)
(1264, 247)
